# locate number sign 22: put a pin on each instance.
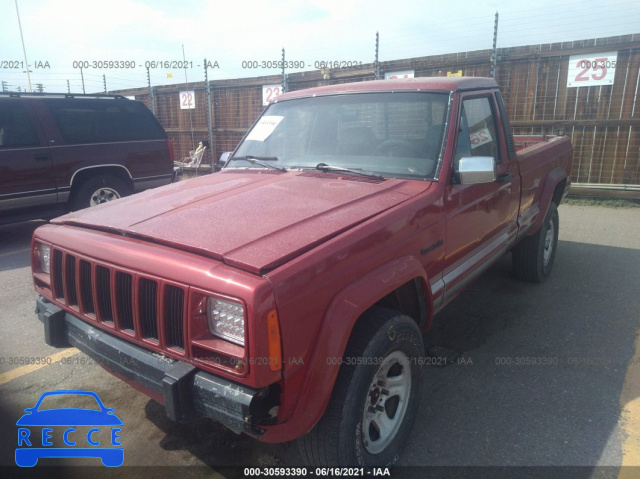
(187, 100)
(592, 70)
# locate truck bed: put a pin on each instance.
(535, 152)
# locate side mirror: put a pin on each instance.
(223, 158)
(477, 169)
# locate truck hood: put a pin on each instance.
(252, 219)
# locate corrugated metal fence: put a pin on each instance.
(602, 119)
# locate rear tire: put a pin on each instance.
(97, 190)
(375, 397)
(533, 257)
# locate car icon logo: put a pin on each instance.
(38, 428)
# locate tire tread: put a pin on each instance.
(526, 254)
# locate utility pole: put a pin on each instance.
(82, 76)
(24, 51)
(39, 87)
(5, 86)
(104, 80)
(68, 87)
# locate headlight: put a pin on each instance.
(226, 319)
(44, 254)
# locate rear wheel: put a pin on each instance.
(97, 190)
(533, 257)
(375, 398)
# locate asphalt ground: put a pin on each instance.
(545, 375)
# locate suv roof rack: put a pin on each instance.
(61, 95)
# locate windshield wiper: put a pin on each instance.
(260, 160)
(326, 168)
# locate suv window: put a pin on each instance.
(16, 128)
(478, 136)
(97, 121)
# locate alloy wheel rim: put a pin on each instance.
(548, 244)
(386, 402)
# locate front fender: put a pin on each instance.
(552, 180)
(340, 318)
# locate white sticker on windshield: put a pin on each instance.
(264, 127)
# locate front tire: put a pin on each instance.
(375, 398)
(97, 190)
(533, 257)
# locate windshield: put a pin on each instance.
(390, 134)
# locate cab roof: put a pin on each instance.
(410, 84)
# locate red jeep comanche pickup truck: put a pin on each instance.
(285, 296)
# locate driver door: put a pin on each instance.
(481, 218)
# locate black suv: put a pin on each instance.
(61, 152)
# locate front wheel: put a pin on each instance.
(97, 190)
(375, 398)
(533, 257)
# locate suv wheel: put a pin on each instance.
(375, 398)
(97, 190)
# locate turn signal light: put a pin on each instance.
(275, 348)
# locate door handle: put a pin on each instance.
(41, 157)
(504, 178)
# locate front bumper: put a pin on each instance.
(187, 391)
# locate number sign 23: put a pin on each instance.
(270, 92)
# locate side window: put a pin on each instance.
(98, 121)
(478, 136)
(16, 128)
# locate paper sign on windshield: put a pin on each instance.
(264, 127)
(480, 137)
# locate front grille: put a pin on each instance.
(143, 307)
(148, 308)
(70, 276)
(86, 288)
(173, 314)
(124, 300)
(103, 287)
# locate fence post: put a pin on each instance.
(494, 51)
(376, 62)
(284, 76)
(209, 126)
(152, 102)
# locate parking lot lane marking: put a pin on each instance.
(29, 368)
(630, 416)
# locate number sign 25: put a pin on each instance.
(187, 100)
(592, 69)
